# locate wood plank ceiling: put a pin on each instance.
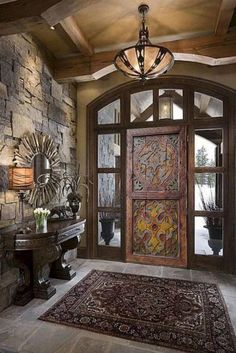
(83, 36)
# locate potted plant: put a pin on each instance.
(213, 223)
(107, 219)
(71, 184)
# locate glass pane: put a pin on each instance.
(141, 106)
(208, 192)
(209, 236)
(110, 114)
(171, 104)
(109, 151)
(109, 189)
(206, 106)
(208, 148)
(109, 228)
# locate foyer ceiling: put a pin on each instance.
(87, 33)
(112, 24)
(167, 20)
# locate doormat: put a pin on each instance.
(189, 316)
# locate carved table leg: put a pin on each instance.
(42, 287)
(23, 260)
(60, 269)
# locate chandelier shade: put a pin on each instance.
(144, 60)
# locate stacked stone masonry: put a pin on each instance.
(30, 101)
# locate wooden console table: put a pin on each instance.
(40, 255)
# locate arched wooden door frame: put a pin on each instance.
(225, 263)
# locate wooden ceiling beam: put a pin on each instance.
(26, 24)
(25, 15)
(145, 114)
(17, 10)
(69, 69)
(22, 15)
(222, 51)
(198, 43)
(134, 108)
(77, 66)
(70, 26)
(65, 8)
(224, 16)
(5, 1)
(18, 16)
(204, 102)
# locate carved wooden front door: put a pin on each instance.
(156, 196)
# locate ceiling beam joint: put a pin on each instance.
(73, 30)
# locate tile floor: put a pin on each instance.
(20, 331)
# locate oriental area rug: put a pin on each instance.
(183, 315)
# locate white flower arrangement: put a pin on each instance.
(41, 215)
(41, 212)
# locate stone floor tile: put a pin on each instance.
(226, 283)
(86, 344)
(231, 306)
(151, 348)
(78, 262)
(109, 339)
(103, 266)
(58, 282)
(177, 273)
(17, 334)
(202, 276)
(155, 271)
(95, 264)
(116, 267)
(6, 331)
(4, 323)
(120, 348)
(228, 290)
(15, 312)
(225, 278)
(49, 338)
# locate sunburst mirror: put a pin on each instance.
(40, 152)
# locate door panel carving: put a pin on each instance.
(155, 162)
(155, 227)
(156, 196)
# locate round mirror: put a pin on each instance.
(39, 151)
(42, 169)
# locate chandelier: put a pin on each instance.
(144, 60)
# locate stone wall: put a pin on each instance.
(30, 100)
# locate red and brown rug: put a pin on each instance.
(188, 316)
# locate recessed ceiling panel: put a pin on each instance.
(110, 23)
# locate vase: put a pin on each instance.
(107, 232)
(215, 238)
(41, 225)
(75, 206)
(215, 232)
